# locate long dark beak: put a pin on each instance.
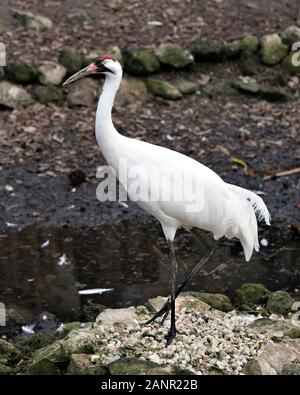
(91, 69)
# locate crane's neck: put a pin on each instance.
(104, 125)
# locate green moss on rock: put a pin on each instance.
(163, 89)
(43, 367)
(219, 88)
(174, 55)
(5, 370)
(9, 354)
(125, 366)
(207, 50)
(273, 50)
(293, 333)
(249, 295)
(249, 64)
(79, 16)
(140, 62)
(21, 72)
(291, 64)
(280, 302)
(48, 94)
(70, 60)
(217, 301)
(291, 35)
(30, 344)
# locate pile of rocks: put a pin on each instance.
(253, 335)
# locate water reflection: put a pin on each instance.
(131, 258)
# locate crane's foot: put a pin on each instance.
(170, 336)
(164, 311)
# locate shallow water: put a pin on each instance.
(131, 258)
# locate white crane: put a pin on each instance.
(216, 206)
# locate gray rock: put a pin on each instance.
(219, 88)
(207, 50)
(9, 354)
(12, 96)
(249, 295)
(83, 364)
(186, 300)
(217, 301)
(30, 21)
(280, 302)
(188, 87)
(125, 366)
(83, 92)
(252, 368)
(291, 35)
(80, 341)
(21, 72)
(51, 73)
(291, 369)
(249, 64)
(117, 317)
(140, 62)
(70, 60)
(246, 85)
(272, 93)
(273, 50)
(131, 90)
(274, 357)
(163, 89)
(174, 55)
(48, 94)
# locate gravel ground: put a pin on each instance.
(206, 339)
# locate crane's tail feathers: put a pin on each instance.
(248, 235)
(261, 211)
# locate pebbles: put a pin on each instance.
(220, 341)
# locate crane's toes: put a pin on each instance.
(164, 311)
(170, 336)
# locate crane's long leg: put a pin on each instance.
(164, 311)
(173, 269)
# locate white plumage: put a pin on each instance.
(205, 200)
(224, 209)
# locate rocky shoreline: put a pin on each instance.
(256, 333)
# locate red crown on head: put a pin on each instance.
(105, 57)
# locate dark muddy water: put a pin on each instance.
(131, 258)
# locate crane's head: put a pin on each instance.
(103, 64)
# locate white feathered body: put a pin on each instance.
(223, 209)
